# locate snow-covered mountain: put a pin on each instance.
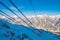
(10, 31)
(42, 22)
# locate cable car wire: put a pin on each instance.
(13, 12)
(34, 10)
(7, 15)
(21, 12)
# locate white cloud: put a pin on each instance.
(14, 16)
(2, 17)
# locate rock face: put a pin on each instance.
(10, 31)
(58, 23)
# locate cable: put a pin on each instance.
(7, 15)
(34, 13)
(34, 10)
(13, 12)
(20, 12)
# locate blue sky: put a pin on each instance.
(50, 7)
